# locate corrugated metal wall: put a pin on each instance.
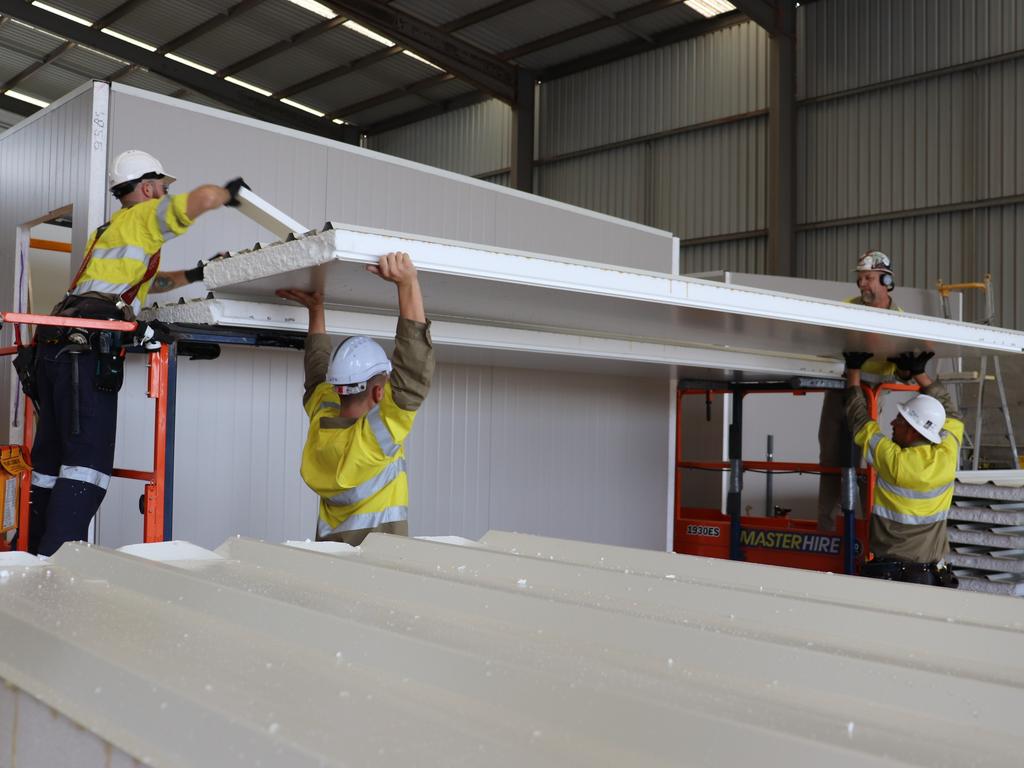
(539, 451)
(472, 141)
(929, 168)
(674, 138)
(910, 138)
(45, 165)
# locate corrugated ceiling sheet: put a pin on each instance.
(572, 49)
(343, 91)
(848, 44)
(151, 22)
(13, 63)
(390, 109)
(473, 140)
(526, 23)
(693, 81)
(28, 41)
(322, 53)
(52, 82)
(90, 62)
(447, 90)
(87, 9)
(437, 13)
(523, 651)
(676, 15)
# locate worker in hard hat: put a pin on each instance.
(77, 373)
(361, 408)
(875, 281)
(915, 473)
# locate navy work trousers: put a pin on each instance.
(70, 472)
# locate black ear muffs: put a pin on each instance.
(887, 281)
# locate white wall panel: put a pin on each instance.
(534, 451)
(45, 165)
(849, 43)
(693, 81)
(314, 180)
(473, 140)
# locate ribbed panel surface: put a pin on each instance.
(746, 255)
(690, 82)
(516, 651)
(847, 44)
(472, 141)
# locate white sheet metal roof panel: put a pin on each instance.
(409, 651)
(474, 344)
(543, 292)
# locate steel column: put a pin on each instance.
(782, 142)
(523, 121)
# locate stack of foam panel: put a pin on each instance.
(986, 532)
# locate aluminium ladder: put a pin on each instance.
(974, 440)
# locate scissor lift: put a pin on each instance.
(770, 540)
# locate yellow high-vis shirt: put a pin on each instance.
(357, 468)
(122, 253)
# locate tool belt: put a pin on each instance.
(935, 574)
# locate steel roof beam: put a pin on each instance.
(587, 28)
(280, 47)
(432, 110)
(467, 62)
(209, 25)
(384, 98)
(208, 85)
(52, 56)
(122, 10)
(766, 13)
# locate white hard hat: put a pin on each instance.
(132, 165)
(925, 414)
(356, 360)
(874, 261)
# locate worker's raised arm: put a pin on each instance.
(398, 268)
(209, 196)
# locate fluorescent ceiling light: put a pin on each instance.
(355, 26)
(250, 86)
(710, 8)
(132, 40)
(420, 58)
(190, 63)
(27, 98)
(313, 6)
(65, 14)
(338, 121)
(303, 107)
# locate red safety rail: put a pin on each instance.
(157, 389)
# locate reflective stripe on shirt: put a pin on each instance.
(381, 432)
(901, 517)
(908, 493)
(361, 520)
(369, 488)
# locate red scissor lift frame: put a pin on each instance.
(161, 362)
(712, 528)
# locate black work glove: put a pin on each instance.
(854, 360)
(195, 274)
(912, 363)
(154, 330)
(232, 187)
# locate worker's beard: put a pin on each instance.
(868, 297)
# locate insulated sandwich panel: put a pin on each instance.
(468, 283)
(512, 651)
